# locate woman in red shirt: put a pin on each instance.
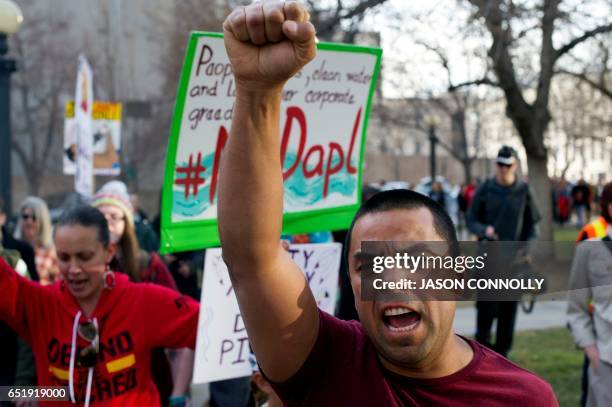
(94, 331)
(114, 202)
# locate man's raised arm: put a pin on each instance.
(267, 44)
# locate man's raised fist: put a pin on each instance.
(268, 42)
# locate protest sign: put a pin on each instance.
(323, 123)
(222, 348)
(84, 177)
(106, 129)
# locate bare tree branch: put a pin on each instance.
(587, 34)
(584, 78)
(330, 25)
(482, 81)
(39, 85)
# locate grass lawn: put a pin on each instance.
(552, 355)
(566, 234)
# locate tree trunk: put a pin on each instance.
(34, 181)
(539, 181)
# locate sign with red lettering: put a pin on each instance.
(222, 346)
(324, 114)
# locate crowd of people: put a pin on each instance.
(88, 303)
(573, 203)
(580, 199)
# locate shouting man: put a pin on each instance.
(402, 353)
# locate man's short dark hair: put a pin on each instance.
(406, 199)
(1, 205)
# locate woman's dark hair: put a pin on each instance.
(406, 199)
(606, 200)
(86, 216)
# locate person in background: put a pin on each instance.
(34, 226)
(464, 198)
(503, 209)
(263, 394)
(139, 213)
(114, 203)
(17, 366)
(562, 201)
(187, 269)
(437, 194)
(148, 240)
(589, 311)
(104, 327)
(26, 252)
(470, 190)
(594, 229)
(581, 202)
(597, 229)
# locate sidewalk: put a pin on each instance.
(546, 314)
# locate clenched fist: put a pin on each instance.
(268, 42)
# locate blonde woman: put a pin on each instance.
(34, 226)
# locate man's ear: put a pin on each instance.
(2, 219)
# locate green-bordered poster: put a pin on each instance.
(324, 115)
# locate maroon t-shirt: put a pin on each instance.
(343, 369)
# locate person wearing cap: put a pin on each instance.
(503, 209)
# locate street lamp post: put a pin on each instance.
(10, 19)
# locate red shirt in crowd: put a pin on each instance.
(132, 318)
(157, 272)
(343, 369)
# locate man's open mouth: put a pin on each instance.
(400, 319)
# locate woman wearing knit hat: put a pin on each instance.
(113, 201)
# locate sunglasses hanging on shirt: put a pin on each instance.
(88, 356)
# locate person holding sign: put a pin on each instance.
(94, 331)
(400, 354)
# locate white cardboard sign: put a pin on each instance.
(222, 349)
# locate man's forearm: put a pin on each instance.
(251, 184)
